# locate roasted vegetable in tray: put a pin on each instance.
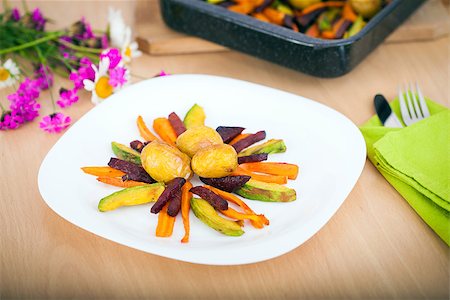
(160, 168)
(324, 19)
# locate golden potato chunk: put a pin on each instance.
(197, 138)
(215, 161)
(164, 162)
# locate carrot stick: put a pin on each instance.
(275, 16)
(186, 197)
(348, 13)
(144, 131)
(239, 137)
(102, 171)
(261, 17)
(319, 5)
(261, 177)
(242, 8)
(165, 130)
(262, 220)
(272, 168)
(119, 182)
(231, 213)
(165, 223)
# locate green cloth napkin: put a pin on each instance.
(416, 161)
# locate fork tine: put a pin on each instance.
(415, 101)
(412, 113)
(423, 104)
(403, 109)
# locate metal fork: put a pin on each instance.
(414, 108)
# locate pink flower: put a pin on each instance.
(114, 57)
(38, 19)
(162, 73)
(44, 77)
(105, 41)
(67, 97)
(118, 76)
(84, 72)
(55, 123)
(15, 14)
(11, 120)
(23, 101)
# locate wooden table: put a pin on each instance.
(375, 246)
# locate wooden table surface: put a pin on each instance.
(375, 246)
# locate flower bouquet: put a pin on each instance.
(95, 61)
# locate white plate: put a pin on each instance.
(326, 145)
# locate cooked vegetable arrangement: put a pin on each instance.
(159, 169)
(324, 19)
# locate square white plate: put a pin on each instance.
(327, 146)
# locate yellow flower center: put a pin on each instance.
(128, 51)
(4, 74)
(103, 88)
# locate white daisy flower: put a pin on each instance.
(120, 36)
(117, 28)
(100, 87)
(129, 49)
(9, 73)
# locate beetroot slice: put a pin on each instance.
(228, 183)
(175, 204)
(252, 158)
(132, 170)
(215, 200)
(176, 123)
(138, 145)
(229, 133)
(172, 188)
(262, 6)
(250, 140)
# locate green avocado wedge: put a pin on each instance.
(268, 192)
(208, 215)
(131, 196)
(126, 153)
(271, 146)
(194, 117)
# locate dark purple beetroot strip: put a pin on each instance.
(263, 6)
(228, 133)
(305, 20)
(228, 184)
(132, 170)
(169, 193)
(137, 145)
(253, 158)
(176, 123)
(174, 204)
(250, 140)
(340, 32)
(215, 200)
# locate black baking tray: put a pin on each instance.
(317, 57)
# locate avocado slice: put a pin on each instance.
(131, 196)
(208, 215)
(126, 153)
(271, 146)
(269, 192)
(194, 117)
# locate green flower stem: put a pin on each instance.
(50, 89)
(25, 6)
(80, 48)
(34, 43)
